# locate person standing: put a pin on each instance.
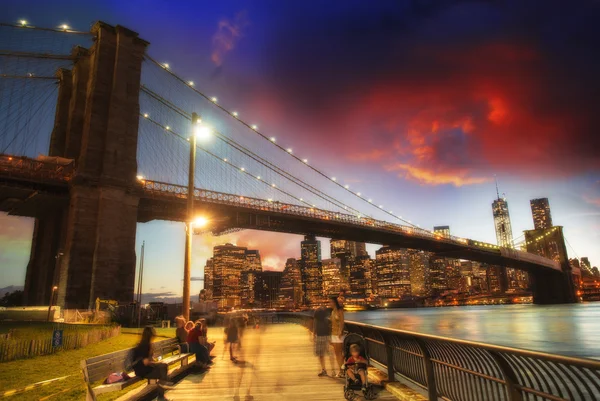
(337, 332)
(322, 336)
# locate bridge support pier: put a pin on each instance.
(99, 258)
(96, 124)
(552, 287)
(48, 241)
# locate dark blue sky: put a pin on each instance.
(416, 103)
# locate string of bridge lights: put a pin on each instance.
(231, 142)
(541, 237)
(228, 162)
(273, 140)
(23, 23)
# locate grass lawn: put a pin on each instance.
(18, 374)
(31, 330)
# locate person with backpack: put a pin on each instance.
(141, 360)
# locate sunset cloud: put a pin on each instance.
(228, 34)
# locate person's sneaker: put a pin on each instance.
(323, 373)
(341, 374)
(364, 390)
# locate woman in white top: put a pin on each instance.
(337, 332)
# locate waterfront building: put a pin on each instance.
(420, 285)
(228, 263)
(291, 284)
(333, 282)
(392, 270)
(540, 210)
(310, 268)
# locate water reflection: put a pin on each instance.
(562, 329)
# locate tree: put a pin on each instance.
(14, 298)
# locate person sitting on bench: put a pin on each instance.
(145, 367)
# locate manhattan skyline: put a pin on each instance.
(429, 150)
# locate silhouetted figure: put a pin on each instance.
(144, 366)
(322, 336)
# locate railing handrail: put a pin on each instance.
(456, 370)
(580, 361)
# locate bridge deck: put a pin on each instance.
(276, 363)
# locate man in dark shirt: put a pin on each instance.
(322, 336)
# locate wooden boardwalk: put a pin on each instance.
(276, 363)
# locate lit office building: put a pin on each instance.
(208, 274)
(360, 277)
(267, 287)
(291, 284)
(342, 250)
(393, 275)
(437, 274)
(248, 277)
(420, 285)
(333, 282)
(540, 209)
(504, 238)
(228, 263)
(444, 231)
(310, 268)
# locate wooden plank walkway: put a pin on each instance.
(276, 363)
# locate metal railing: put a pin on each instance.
(458, 370)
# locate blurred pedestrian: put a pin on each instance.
(232, 337)
(322, 336)
(337, 331)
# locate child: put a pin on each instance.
(357, 364)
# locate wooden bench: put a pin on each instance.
(99, 367)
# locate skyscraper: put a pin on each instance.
(393, 275)
(228, 263)
(344, 251)
(333, 281)
(291, 284)
(502, 224)
(360, 276)
(266, 288)
(540, 209)
(504, 238)
(248, 277)
(310, 267)
(420, 285)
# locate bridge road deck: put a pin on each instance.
(277, 363)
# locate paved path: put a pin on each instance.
(277, 363)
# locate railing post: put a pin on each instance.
(429, 372)
(389, 352)
(510, 379)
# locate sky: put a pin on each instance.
(419, 104)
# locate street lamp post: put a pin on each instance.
(51, 301)
(189, 233)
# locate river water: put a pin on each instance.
(572, 330)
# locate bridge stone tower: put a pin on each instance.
(88, 248)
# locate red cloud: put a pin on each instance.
(487, 108)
